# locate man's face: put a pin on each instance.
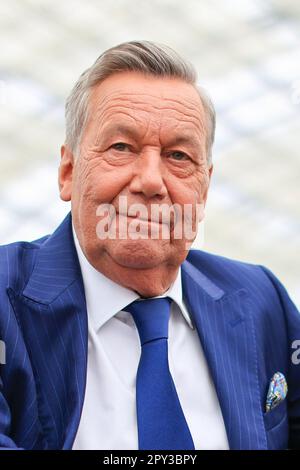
(145, 141)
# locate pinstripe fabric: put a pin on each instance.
(244, 317)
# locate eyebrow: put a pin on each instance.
(187, 139)
(121, 129)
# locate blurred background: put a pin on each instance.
(247, 54)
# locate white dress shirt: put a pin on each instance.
(108, 419)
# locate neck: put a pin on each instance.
(149, 282)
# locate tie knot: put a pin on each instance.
(151, 317)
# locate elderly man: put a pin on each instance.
(117, 335)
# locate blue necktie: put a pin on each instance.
(161, 422)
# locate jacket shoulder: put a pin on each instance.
(229, 274)
(16, 262)
(268, 299)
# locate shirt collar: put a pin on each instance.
(115, 297)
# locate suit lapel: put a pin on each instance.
(52, 315)
(226, 331)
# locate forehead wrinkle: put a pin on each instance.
(133, 99)
(163, 105)
(163, 102)
(145, 115)
(143, 126)
(120, 94)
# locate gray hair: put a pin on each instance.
(135, 56)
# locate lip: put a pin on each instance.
(138, 218)
(141, 219)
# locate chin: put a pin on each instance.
(138, 254)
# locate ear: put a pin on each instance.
(65, 173)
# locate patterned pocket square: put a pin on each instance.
(277, 391)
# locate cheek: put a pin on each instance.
(95, 184)
(186, 191)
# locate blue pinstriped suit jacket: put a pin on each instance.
(244, 317)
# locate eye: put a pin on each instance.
(179, 156)
(120, 146)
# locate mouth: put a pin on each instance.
(137, 217)
(156, 220)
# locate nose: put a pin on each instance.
(148, 175)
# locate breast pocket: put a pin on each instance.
(275, 416)
(277, 428)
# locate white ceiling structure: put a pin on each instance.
(247, 56)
